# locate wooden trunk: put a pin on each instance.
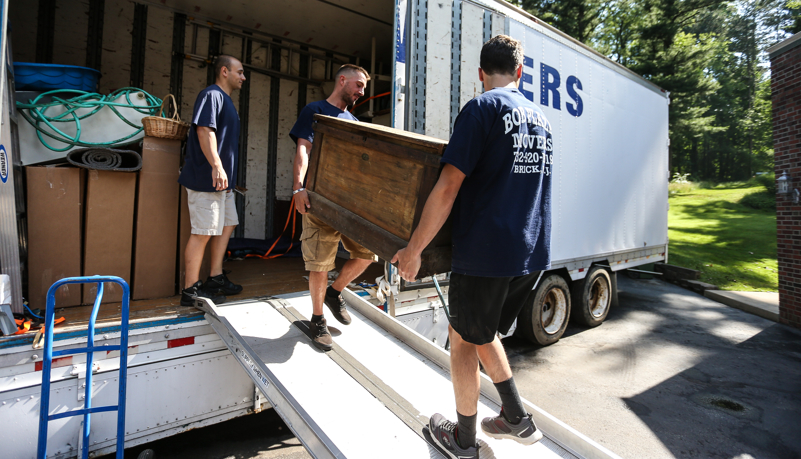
(371, 182)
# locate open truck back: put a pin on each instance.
(610, 185)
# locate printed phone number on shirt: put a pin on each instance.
(532, 157)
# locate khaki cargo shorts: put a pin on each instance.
(210, 211)
(320, 244)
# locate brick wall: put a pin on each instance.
(786, 88)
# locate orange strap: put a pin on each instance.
(369, 99)
(25, 325)
(291, 216)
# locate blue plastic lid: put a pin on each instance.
(53, 66)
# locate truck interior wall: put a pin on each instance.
(158, 55)
(72, 22)
(115, 66)
(273, 101)
(195, 76)
(288, 114)
(258, 140)
(22, 28)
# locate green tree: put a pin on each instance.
(710, 56)
(577, 18)
(617, 33)
(793, 17)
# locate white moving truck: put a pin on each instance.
(610, 191)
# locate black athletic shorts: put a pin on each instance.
(480, 307)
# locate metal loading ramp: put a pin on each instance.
(370, 396)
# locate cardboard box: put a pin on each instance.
(108, 234)
(157, 209)
(185, 231)
(54, 210)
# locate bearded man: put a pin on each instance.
(320, 241)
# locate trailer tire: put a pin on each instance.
(592, 297)
(146, 454)
(544, 317)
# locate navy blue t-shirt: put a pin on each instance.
(303, 126)
(215, 109)
(502, 215)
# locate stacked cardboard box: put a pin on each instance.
(157, 219)
(108, 231)
(83, 223)
(54, 209)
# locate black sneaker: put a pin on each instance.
(188, 295)
(443, 432)
(337, 306)
(524, 432)
(320, 335)
(222, 285)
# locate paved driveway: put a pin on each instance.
(672, 374)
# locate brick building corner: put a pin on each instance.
(785, 60)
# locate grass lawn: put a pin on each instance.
(734, 246)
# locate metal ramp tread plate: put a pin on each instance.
(367, 398)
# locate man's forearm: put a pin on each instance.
(300, 166)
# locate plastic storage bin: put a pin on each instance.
(46, 77)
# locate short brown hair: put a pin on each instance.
(350, 68)
(223, 60)
(501, 54)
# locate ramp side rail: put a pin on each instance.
(89, 350)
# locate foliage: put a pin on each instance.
(794, 11)
(766, 180)
(577, 18)
(760, 200)
(733, 245)
(680, 178)
(709, 54)
(675, 188)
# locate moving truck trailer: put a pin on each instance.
(610, 163)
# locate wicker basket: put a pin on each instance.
(166, 128)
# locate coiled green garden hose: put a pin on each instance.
(34, 113)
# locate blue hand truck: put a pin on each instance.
(89, 350)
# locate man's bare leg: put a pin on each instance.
(464, 374)
(318, 282)
(218, 247)
(193, 257)
(350, 271)
(494, 360)
(496, 364)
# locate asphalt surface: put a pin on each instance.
(670, 374)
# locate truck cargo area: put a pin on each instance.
(260, 278)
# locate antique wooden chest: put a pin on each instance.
(371, 182)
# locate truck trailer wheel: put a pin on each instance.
(544, 317)
(592, 297)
